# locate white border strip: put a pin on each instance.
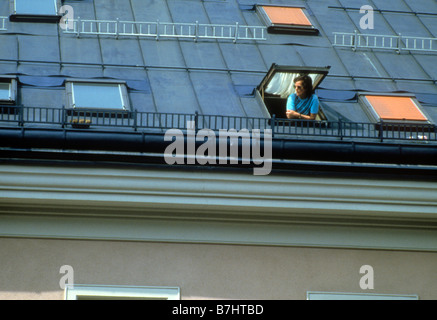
(78, 291)
(212, 232)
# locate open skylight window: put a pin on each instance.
(35, 11)
(281, 19)
(278, 84)
(105, 96)
(395, 111)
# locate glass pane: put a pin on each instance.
(4, 91)
(396, 108)
(35, 7)
(97, 96)
(287, 15)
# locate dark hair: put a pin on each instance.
(307, 83)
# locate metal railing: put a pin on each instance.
(392, 42)
(160, 30)
(3, 23)
(137, 121)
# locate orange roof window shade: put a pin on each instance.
(287, 15)
(396, 108)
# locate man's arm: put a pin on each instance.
(296, 115)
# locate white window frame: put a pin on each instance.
(105, 292)
(285, 28)
(12, 83)
(319, 73)
(374, 117)
(71, 103)
(49, 17)
(319, 295)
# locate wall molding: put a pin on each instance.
(207, 206)
(215, 232)
(211, 194)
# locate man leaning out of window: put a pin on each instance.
(303, 104)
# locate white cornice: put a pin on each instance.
(207, 194)
(207, 206)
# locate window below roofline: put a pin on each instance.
(22, 11)
(316, 295)
(106, 292)
(275, 17)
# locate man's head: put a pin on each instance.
(303, 86)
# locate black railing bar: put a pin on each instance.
(36, 116)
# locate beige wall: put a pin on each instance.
(29, 269)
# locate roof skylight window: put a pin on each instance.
(281, 19)
(8, 89)
(105, 96)
(395, 110)
(5, 91)
(278, 85)
(35, 11)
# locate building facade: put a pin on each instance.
(145, 152)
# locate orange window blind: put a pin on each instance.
(396, 108)
(287, 15)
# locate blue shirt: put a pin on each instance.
(304, 106)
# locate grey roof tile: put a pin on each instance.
(114, 51)
(8, 47)
(172, 91)
(216, 94)
(81, 71)
(407, 24)
(150, 10)
(401, 65)
(79, 50)
(399, 5)
(37, 48)
(187, 11)
(431, 24)
(424, 6)
(205, 55)
(243, 56)
(162, 53)
(361, 63)
(218, 77)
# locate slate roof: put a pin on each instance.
(218, 77)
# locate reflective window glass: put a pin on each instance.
(98, 96)
(5, 91)
(45, 7)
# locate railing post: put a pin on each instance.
(196, 119)
(381, 130)
(236, 32)
(340, 128)
(157, 30)
(78, 27)
(273, 124)
(63, 117)
(196, 31)
(116, 28)
(399, 44)
(135, 119)
(21, 116)
(355, 44)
